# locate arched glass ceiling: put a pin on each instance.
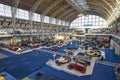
(89, 21)
(23, 14)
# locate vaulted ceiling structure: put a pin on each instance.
(68, 10)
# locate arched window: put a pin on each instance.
(22, 14)
(46, 20)
(89, 21)
(5, 10)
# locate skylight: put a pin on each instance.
(80, 5)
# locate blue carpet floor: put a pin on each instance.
(23, 65)
(7, 53)
(100, 72)
(63, 75)
(111, 56)
(43, 76)
(103, 72)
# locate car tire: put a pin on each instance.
(83, 72)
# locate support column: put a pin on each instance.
(42, 19)
(14, 12)
(57, 25)
(31, 14)
(15, 4)
(62, 26)
(50, 22)
(69, 23)
(65, 27)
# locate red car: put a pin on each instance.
(36, 46)
(13, 48)
(54, 48)
(77, 67)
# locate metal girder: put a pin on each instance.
(99, 11)
(103, 7)
(31, 12)
(13, 18)
(108, 4)
(118, 2)
(114, 2)
(50, 21)
(93, 13)
(57, 25)
(66, 12)
(35, 6)
(72, 18)
(70, 15)
(42, 19)
(58, 10)
(15, 3)
(51, 6)
(75, 5)
(98, 14)
(14, 12)
(48, 9)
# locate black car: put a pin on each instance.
(83, 62)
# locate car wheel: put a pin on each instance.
(83, 72)
(69, 67)
(85, 65)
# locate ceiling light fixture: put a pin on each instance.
(81, 14)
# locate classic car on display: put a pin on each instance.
(50, 44)
(81, 54)
(83, 62)
(63, 60)
(70, 53)
(31, 45)
(13, 48)
(77, 67)
(72, 47)
(54, 48)
(93, 53)
(35, 46)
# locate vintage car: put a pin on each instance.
(93, 53)
(77, 67)
(50, 44)
(81, 53)
(35, 46)
(72, 47)
(70, 53)
(54, 48)
(13, 48)
(83, 62)
(31, 45)
(63, 60)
